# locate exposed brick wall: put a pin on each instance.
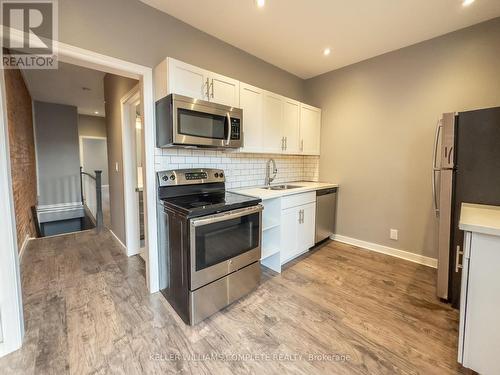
(22, 152)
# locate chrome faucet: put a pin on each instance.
(270, 179)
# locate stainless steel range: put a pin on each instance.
(210, 242)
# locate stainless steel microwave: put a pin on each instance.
(184, 121)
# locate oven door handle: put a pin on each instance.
(206, 220)
(228, 139)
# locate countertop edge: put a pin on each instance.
(481, 219)
(282, 193)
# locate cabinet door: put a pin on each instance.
(272, 115)
(188, 80)
(291, 125)
(310, 125)
(251, 102)
(307, 227)
(224, 90)
(289, 235)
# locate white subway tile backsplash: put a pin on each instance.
(241, 169)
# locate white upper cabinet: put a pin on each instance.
(310, 127)
(224, 90)
(173, 76)
(188, 80)
(291, 126)
(271, 123)
(251, 100)
(272, 118)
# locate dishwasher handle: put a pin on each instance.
(326, 191)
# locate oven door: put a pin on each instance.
(223, 243)
(200, 123)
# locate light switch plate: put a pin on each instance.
(394, 234)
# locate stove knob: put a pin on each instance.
(216, 175)
(172, 177)
(164, 178)
(221, 175)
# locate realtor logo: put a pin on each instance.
(29, 34)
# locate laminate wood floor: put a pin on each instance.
(337, 310)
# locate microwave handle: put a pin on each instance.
(228, 139)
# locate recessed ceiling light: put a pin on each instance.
(466, 3)
(260, 3)
(96, 113)
(326, 51)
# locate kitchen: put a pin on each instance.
(339, 149)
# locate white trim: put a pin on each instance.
(402, 254)
(119, 241)
(128, 104)
(10, 283)
(26, 241)
(59, 207)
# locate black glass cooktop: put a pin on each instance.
(206, 204)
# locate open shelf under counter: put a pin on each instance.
(269, 251)
(271, 225)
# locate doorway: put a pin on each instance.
(9, 256)
(133, 171)
(94, 157)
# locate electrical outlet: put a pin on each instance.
(394, 234)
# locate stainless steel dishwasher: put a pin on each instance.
(326, 205)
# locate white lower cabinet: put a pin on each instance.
(479, 334)
(297, 230)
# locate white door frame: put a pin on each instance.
(128, 104)
(11, 309)
(10, 293)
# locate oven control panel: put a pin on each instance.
(190, 176)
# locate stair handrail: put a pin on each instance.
(98, 193)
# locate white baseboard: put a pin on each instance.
(59, 207)
(23, 247)
(415, 258)
(119, 241)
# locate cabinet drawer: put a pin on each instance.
(298, 199)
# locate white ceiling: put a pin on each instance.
(65, 86)
(292, 34)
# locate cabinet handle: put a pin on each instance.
(282, 143)
(208, 88)
(457, 259)
(301, 145)
(212, 85)
(301, 216)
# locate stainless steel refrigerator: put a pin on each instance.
(466, 168)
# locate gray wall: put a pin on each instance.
(378, 124)
(136, 32)
(57, 151)
(115, 87)
(91, 126)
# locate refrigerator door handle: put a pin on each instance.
(458, 265)
(435, 167)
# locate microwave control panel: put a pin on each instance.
(235, 128)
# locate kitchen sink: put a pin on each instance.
(281, 187)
